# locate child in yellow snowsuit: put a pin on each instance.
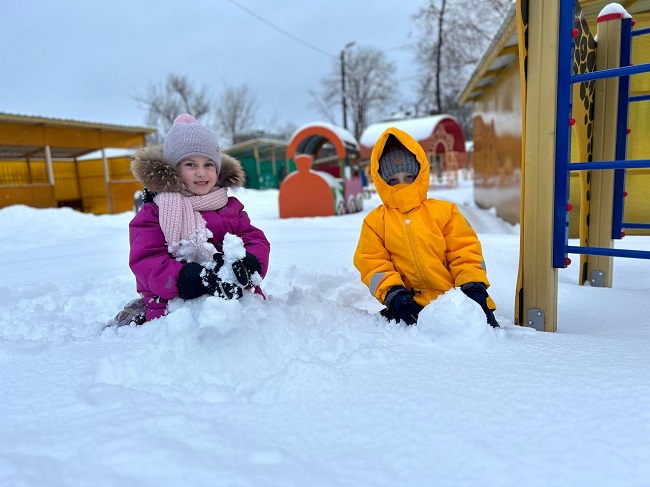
(412, 248)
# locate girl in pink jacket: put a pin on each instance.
(177, 237)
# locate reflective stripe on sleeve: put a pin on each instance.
(375, 281)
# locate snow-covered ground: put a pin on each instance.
(311, 387)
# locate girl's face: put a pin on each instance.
(402, 178)
(199, 174)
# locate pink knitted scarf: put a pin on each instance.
(184, 227)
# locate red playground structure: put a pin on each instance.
(327, 181)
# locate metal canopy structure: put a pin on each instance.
(258, 148)
(25, 137)
(264, 160)
(40, 163)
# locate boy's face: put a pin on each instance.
(401, 178)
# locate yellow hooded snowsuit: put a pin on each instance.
(413, 241)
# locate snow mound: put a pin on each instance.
(247, 350)
(456, 322)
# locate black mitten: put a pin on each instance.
(478, 292)
(218, 259)
(147, 196)
(225, 289)
(241, 273)
(402, 304)
(245, 268)
(389, 314)
(194, 280)
(228, 290)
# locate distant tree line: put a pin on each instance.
(233, 114)
(452, 36)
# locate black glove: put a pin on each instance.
(227, 290)
(240, 274)
(245, 268)
(194, 280)
(218, 259)
(147, 195)
(402, 305)
(389, 314)
(478, 292)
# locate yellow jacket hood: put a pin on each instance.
(400, 197)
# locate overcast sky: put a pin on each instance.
(86, 60)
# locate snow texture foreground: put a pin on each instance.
(312, 386)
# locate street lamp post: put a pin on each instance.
(343, 96)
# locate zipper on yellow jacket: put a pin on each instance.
(416, 255)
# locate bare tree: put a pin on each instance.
(165, 102)
(324, 107)
(235, 112)
(276, 129)
(369, 84)
(454, 36)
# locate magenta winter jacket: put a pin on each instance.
(156, 271)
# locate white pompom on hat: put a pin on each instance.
(187, 138)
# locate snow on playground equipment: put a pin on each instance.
(549, 34)
(333, 186)
(441, 137)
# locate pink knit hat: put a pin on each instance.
(187, 138)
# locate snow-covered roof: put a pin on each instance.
(110, 153)
(418, 128)
(54, 121)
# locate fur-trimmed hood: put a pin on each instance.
(149, 167)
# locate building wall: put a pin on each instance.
(77, 184)
(498, 145)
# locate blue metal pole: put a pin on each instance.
(621, 130)
(562, 134)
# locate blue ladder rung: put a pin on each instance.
(636, 225)
(639, 98)
(641, 32)
(611, 73)
(625, 164)
(633, 254)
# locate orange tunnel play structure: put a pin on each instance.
(327, 181)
